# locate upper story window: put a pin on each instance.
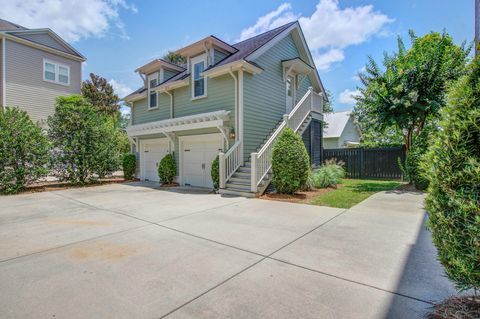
(56, 72)
(152, 95)
(199, 83)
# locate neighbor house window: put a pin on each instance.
(199, 85)
(152, 95)
(56, 73)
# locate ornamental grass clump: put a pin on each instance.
(329, 175)
(167, 169)
(290, 163)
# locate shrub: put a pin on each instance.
(84, 142)
(329, 175)
(413, 161)
(214, 172)
(453, 165)
(24, 151)
(129, 165)
(290, 163)
(167, 169)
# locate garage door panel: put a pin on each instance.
(153, 152)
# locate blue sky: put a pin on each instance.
(117, 36)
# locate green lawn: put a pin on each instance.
(353, 192)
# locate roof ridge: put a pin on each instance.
(263, 33)
(13, 24)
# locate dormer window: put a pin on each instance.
(199, 83)
(152, 95)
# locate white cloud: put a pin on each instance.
(282, 15)
(347, 96)
(329, 30)
(72, 20)
(355, 77)
(120, 89)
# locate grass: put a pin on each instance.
(352, 192)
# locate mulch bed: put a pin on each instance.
(56, 185)
(298, 197)
(465, 307)
(169, 185)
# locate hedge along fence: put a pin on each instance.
(381, 162)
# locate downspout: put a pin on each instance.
(240, 110)
(171, 103)
(236, 103)
(4, 73)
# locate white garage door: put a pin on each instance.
(197, 155)
(152, 153)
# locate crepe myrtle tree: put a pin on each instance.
(99, 93)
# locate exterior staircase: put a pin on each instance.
(247, 181)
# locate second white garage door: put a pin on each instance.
(197, 155)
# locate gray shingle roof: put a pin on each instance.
(8, 26)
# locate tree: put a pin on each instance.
(453, 167)
(290, 163)
(24, 150)
(412, 87)
(84, 142)
(174, 58)
(98, 92)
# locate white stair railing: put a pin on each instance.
(262, 161)
(229, 162)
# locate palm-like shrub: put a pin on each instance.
(215, 173)
(290, 163)
(129, 165)
(24, 150)
(329, 175)
(167, 169)
(453, 200)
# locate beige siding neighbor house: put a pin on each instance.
(341, 131)
(36, 66)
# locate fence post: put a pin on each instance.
(221, 170)
(253, 173)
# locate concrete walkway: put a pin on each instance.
(134, 251)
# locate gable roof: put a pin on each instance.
(41, 38)
(336, 123)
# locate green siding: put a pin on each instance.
(167, 74)
(220, 96)
(303, 84)
(141, 113)
(218, 56)
(265, 96)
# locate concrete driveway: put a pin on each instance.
(134, 251)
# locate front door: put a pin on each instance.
(290, 90)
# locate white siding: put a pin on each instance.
(25, 85)
(349, 134)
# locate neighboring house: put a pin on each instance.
(227, 99)
(341, 131)
(36, 66)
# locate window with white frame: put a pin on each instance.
(199, 83)
(56, 72)
(152, 95)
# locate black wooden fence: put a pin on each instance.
(369, 162)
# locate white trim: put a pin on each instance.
(240, 111)
(232, 66)
(151, 77)
(196, 60)
(267, 46)
(57, 66)
(4, 73)
(199, 137)
(141, 152)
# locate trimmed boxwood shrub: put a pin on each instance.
(24, 151)
(214, 172)
(290, 163)
(453, 200)
(129, 165)
(167, 169)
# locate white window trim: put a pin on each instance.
(57, 73)
(149, 78)
(193, 61)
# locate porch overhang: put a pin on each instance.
(296, 66)
(198, 121)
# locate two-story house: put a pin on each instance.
(36, 66)
(227, 100)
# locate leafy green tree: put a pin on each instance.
(290, 163)
(24, 150)
(129, 165)
(388, 137)
(98, 92)
(174, 58)
(84, 142)
(453, 167)
(410, 89)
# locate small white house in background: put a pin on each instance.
(341, 130)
